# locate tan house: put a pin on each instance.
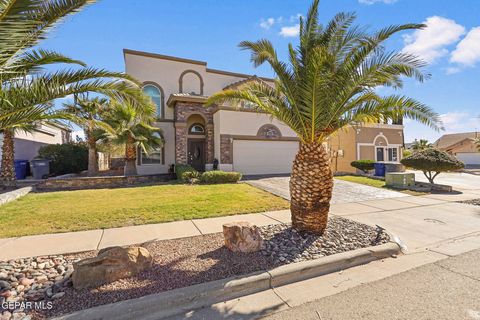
(461, 145)
(240, 139)
(27, 144)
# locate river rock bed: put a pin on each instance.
(177, 263)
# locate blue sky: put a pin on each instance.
(210, 30)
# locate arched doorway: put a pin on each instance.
(196, 155)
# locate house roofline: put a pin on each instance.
(197, 62)
(161, 56)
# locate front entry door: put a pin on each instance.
(196, 154)
(380, 154)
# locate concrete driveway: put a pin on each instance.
(458, 180)
(343, 191)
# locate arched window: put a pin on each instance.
(156, 95)
(196, 128)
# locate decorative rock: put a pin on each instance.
(4, 276)
(110, 265)
(6, 315)
(58, 295)
(242, 237)
(4, 285)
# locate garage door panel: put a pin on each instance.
(469, 157)
(264, 157)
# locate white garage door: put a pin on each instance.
(263, 157)
(469, 157)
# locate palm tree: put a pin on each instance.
(329, 83)
(422, 144)
(88, 112)
(477, 143)
(26, 92)
(134, 128)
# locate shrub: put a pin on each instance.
(211, 177)
(364, 165)
(191, 177)
(432, 162)
(65, 158)
(181, 169)
(406, 153)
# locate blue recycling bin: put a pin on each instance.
(379, 169)
(20, 169)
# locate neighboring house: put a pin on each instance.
(461, 145)
(27, 144)
(239, 138)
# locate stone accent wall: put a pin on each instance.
(225, 150)
(209, 144)
(181, 143)
(100, 182)
(183, 110)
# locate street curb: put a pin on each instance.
(181, 300)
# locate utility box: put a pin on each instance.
(400, 180)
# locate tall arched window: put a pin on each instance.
(156, 95)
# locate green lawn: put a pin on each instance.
(107, 208)
(376, 183)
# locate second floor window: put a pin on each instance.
(154, 93)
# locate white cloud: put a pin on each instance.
(459, 121)
(467, 52)
(431, 43)
(452, 70)
(291, 31)
(267, 23)
(369, 2)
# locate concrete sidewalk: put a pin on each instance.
(419, 221)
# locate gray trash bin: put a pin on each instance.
(40, 168)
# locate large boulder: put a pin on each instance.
(242, 237)
(109, 265)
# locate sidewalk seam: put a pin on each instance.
(263, 214)
(101, 238)
(456, 272)
(201, 233)
(273, 289)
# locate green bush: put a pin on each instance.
(364, 165)
(432, 162)
(181, 169)
(65, 158)
(211, 177)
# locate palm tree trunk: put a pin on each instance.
(130, 158)
(92, 154)
(7, 172)
(311, 185)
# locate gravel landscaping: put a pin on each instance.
(177, 263)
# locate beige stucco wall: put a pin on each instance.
(45, 134)
(247, 123)
(464, 146)
(341, 147)
(392, 133)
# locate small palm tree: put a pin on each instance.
(329, 83)
(134, 128)
(422, 144)
(88, 115)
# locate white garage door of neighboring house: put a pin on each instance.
(469, 157)
(263, 157)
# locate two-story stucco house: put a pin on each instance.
(240, 139)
